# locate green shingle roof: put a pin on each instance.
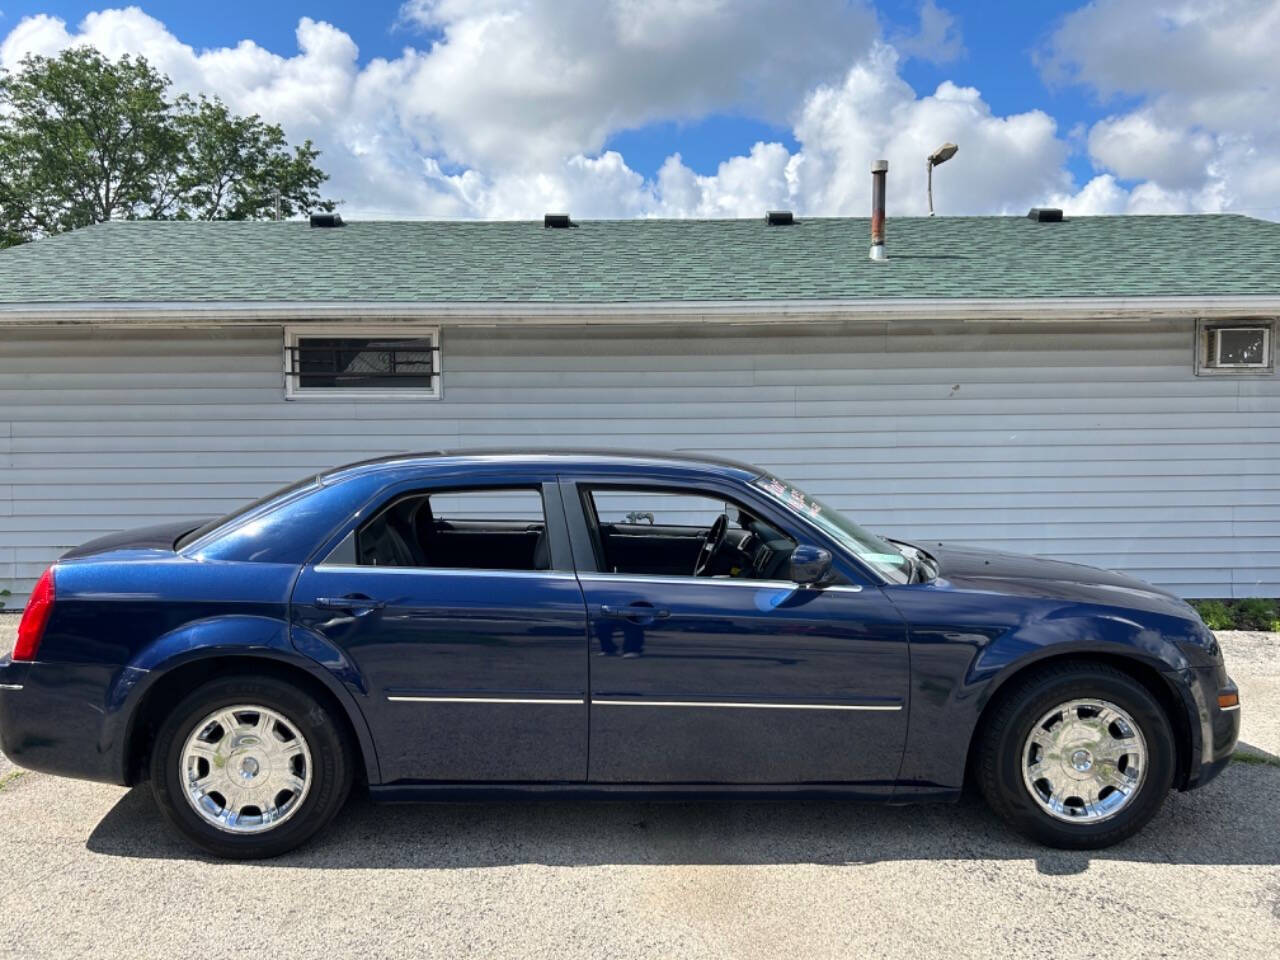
(619, 261)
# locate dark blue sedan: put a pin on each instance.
(453, 624)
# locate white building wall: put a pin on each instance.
(1088, 442)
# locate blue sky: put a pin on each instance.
(1063, 97)
(999, 38)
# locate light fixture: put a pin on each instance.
(941, 155)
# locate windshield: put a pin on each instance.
(867, 547)
(213, 525)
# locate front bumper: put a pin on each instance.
(53, 719)
(1219, 728)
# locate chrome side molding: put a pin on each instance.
(710, 704)
(748, 705)
(546, 701)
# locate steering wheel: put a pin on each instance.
(711, 546)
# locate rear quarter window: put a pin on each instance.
(291, 531)
(229, 519)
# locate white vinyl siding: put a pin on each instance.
(1092, 442)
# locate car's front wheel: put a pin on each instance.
(250, 766)
(1078, 756)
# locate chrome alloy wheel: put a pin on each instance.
(1084, 761)
(245, 769)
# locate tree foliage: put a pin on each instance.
(232, 168)
(85, 139)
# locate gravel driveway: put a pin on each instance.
(90, 869)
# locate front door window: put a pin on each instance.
(647, 532)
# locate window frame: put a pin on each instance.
(587, 554)
(586, 497)
(588, 491)
(1207, 329)
(357, 329)
(561, 557)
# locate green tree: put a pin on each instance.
(235, 168)
(85, 139)
(82, 139)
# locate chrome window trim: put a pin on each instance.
(447, 571)
(748, 705)
(10, 686)
(719, 581)
(552, 701)
(587, 577)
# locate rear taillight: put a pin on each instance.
(34, 618)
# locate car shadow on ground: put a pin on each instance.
(1230, 821)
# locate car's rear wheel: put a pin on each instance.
(250, 766)
(1078, 756)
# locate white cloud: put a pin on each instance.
(515, 85)
(1005, 164)
(1101, 195)
(505, 106)
(1205, 133)
(1137, 145)
(938, 40)
(520, 95)
(764, 179)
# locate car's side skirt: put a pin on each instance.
(753, 792)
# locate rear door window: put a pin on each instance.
(475, 529)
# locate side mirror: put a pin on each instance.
(810, 565)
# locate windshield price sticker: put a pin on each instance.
(799, 500)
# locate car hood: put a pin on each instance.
(1013, 573)
(159, 538)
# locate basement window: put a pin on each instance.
(388, 361)
(1235, 346)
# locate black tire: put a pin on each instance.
(1003, 739)
(331, 769)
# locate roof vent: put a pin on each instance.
(779, 218)
(326, 219)
(1045, 215)
(557, 221)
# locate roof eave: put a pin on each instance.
(1048, 309)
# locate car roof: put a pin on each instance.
(610, 461)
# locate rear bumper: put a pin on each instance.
(54, 719)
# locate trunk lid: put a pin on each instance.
(142, 541)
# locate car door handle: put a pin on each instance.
(634, 611)
(356, 603)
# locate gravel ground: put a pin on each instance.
(90, 869)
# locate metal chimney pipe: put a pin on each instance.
(878, 171)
